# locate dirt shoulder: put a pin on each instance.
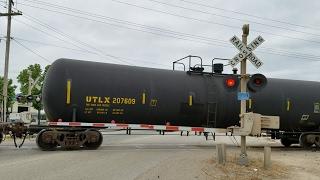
(287, 163)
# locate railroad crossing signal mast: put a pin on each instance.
(6, 66)
(243, 89)
(245, 52)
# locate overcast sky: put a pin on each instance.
(154, 33)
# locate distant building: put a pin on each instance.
(26, 113)
(21, 107)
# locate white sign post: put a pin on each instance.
(246, 51)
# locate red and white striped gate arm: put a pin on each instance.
(138, 126)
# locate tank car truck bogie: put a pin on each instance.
(46, 140)
(305, 139)
(308, 139)
(69, 138)
(94, 139)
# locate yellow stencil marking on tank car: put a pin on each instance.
(100, 104)
(108, 100)
(102, 111)
(250, 103)
(153, 102)
(288, 104)
(122, 100)
(143, 98)
(97, 99)
(68, 91)
(117, 111)
(88, 110)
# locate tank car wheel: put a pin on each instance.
(285, 142)
(93, 134)
(317, 141)
(303, 141)
(42, 136)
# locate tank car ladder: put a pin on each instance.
(211, 119)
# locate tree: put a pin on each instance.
(23, 78)
(11, 92)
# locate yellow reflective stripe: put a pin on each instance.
(288, 105)
(190, 100)
(68, 91)
(250, 103)
(143, 98)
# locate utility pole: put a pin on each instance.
(243, 88)
(6, 66)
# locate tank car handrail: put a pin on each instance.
(190, 56)
(184, 66)
(177, 62)
(202, 65)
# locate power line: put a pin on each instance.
(122, 21)
(160, 29)
(86, 51)
(48, 34)
(122, 26)
(289, 55)
(37, 54)
(272, 52)
(135, 59)
(72, 38)
(56, 37)
(250, 15)
(233, 18)
(275, 52)
(295, 54)
(90, 52)
(53, 45)
(210, 22)
(137, 25)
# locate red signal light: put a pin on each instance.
(258, 81)
(230, 82)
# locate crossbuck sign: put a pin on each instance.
(246, 51)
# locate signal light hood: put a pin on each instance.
(257, 82)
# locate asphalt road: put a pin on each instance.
(120, 156)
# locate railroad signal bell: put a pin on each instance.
(257, 82)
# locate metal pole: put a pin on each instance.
(221, 153)
(39, 117)
(29, 89)
(29, 82)
(267, 157)
(74, 114)
(243, 88)
(6, 66)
